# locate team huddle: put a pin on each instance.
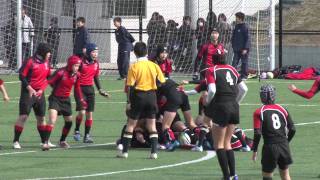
(153, 101)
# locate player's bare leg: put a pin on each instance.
(219, 145)
(153, 135)
(189, 120)
(285, 175)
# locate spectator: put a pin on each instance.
(82, 38)
(171, 34)
(160, 35)
(52, 37)
(10, 43)
(241, 44)
(27, 33)
(201, 33)
(151, 30)
(224, 29)
(185, 41)
(211, 20)
(125, 40)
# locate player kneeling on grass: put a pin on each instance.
(62, 82)
(89, 75)
(277, 129)
(33, 75)
(141, 82)
(225, 92)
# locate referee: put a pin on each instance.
(142, 80)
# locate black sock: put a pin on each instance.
(202, 135)
(42, 132)
(65, 131)
(267, 178)
(122, 133)
(223, 161)
(231, 162)
(126, 140)
(154, 141)
(78, 123)
(87, 128)
(17, 132)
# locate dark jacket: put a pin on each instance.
(240, 37)
(124, 39)
(81, 40)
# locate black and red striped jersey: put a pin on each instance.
(226, 79)
(274, 122)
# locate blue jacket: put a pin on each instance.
(81, 40)
(124, 39)
(240, 37)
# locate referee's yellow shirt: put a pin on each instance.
(143, 75)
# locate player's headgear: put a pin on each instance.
(90, 47)
(161, 49)
(267, 94)
(42, 50)
(72, 60)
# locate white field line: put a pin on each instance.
(55, 149)
(298, 124)
(209, 155)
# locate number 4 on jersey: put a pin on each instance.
(229, 78)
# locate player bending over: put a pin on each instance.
(274, 123)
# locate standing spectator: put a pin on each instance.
(52, 37)
(82, 38)
(151, 28)
(224, 29)
(10, 43)
(211, 20)
(27, 34)
(201, 33)
(171, 34)
(124, 40)
(185, 41)
(33, 76)
(160, 35)
(241, 44)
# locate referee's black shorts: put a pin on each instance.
(143, 103)
(223, 113)
(26, 103)
(275, 154)
(89, 96)
(62, 105)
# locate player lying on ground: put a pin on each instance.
(33, 75)
(62, 82)
(89, 75)
(274, 123)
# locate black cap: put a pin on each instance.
(43, 49)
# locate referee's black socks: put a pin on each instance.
(154, 141)
(127, 137)
(231, 162)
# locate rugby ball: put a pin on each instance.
(184, 139)
(269, 75)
